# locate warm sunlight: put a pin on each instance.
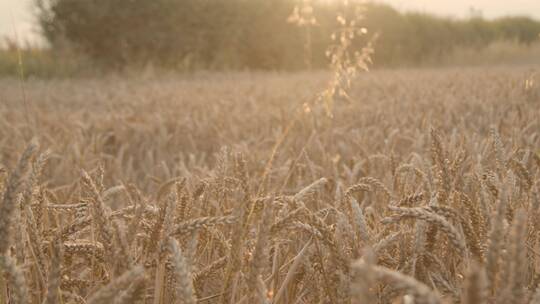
(269, 152)
(20, 12)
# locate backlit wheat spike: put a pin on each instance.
(260, 252)
(74, 227)
(15, 277)
(158, 247)
(475, 289)
(234, 262)
(500, 154)
(67, 207)
(410, 200)
(438, 154)
(328, 239)
(35, 242)
(297, 262)
(123, 251)
(85, 248)
(492, 183)
(183, 277)
(419, 249)
(109, 292)
(18, 230)
(364, 279)
(384, 243)
(495, 243)
(199, 277)
(470, 235)
(156, 240)
(419, 213)
(100, 214)
(189, 226)
(132, 294)
(286, 220)
(223, 243)
(182, 198)
(519, 169)
(360, 222)
(55, 274)
(111, 192)
(7, 205)
(421, 292)
(307, 228)
(357, 188)
(311, 189)
(377, 185)
(475, 215)
(164, 188)
(134, 224)
(516, 261)
(33, 178)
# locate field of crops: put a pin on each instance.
(240, 188)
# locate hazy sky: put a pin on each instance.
(461, 8)
(17, 13)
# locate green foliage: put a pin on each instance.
(415, 38)
(177, 33)
(255, 34)
(521, 29)
(121, 31)
(43, 63)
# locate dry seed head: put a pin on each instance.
(423, 293)
(100, 214)
(15, 277)
(495, 243)
(376, 184)
(260, 252)
(7, 205)
(357, 188)
(500, 154)
(311, 189)
(109, 292)
(189, 226)
(183, 277)
(55, 274)
(475, 289)
(360, 222)
(519, 169)
(422, 214)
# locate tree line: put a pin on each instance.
(255, 34)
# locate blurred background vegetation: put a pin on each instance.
(186, 35)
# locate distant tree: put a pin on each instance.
(118, 32)
(522, 29)
(251, 34)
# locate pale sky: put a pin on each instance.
(461, 8)
(16, 15)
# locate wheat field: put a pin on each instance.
(237, 188)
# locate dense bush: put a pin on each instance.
(232, 33)
(255, 34)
